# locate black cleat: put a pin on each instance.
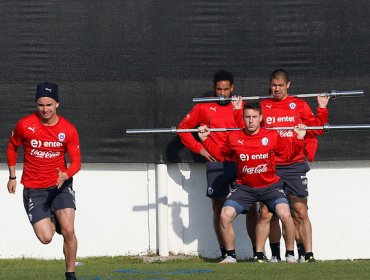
(310, 259)
(70, 276)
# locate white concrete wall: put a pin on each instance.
(117, 213)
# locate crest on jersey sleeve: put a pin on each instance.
(265, 141)
(292, 105)
(61, 136)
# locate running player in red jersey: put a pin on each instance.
(48, 195)
(255, 150)
(220, 174)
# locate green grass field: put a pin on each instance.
(111, 268)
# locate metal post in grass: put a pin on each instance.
(162, 210)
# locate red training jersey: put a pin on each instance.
(44, 150)
(255, 155)
(290, 112)
(214, 116)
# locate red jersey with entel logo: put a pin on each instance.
(255, 155)
(214, 116)
(290, 112)
(44, 150)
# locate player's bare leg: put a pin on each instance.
(274, 238)
(305, 228)
(217, 204)
(66, 220)
(44, 230)
(228, 214)
(263, 228)
(283, 212)
(252, 218)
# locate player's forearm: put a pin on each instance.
(11, 171)
(11, 155)
(73, 168)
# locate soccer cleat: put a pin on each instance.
(290, 259)
(260, 260)
(70, 276)
(301, 259)
(310, 259)
(274, 259)
(228, 259)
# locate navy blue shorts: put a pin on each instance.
(220, 177)
(294, 177)
(243, 197)
(42, 203)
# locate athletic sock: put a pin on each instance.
(300, 249)
(275, 250)
(223, 251)
(231, 253)
(259, 255)
(254, 250)
(289, 252)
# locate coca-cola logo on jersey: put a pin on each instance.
(286, 133)
(272, 120)
(256, 169)
(47, 144)
(44, 154)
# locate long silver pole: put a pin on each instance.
(174, 130)
(327, 127)
(332, 94)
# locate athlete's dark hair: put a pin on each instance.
(253, 105)
(223, 75)
(280, 73)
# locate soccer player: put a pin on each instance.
(255, 150)
(284, 110)
(48, 196)
(220, 174)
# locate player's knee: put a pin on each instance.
(45, 239)
(68, 233)
(301, 215)
(285, 217)
(265, 217)
(226, 217)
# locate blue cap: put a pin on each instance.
(47, 90)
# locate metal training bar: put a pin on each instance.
(327, 127)
(174, 130)
(333, 94)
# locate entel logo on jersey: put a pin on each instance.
(245, 157)
(47, 144)
(272, 120)
(292, 105)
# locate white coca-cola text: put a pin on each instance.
(256, 169)
(44, 154)
(286, 133)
